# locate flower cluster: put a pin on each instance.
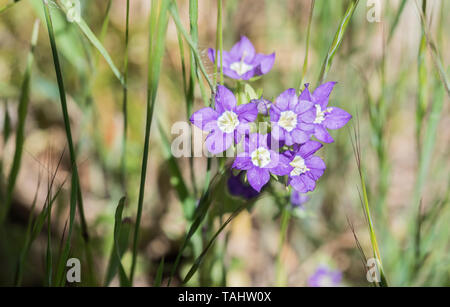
(286, 147)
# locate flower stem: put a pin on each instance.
(281, 277)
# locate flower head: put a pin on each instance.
(259, 161)
(227, 122)
(292, 118)
(304, 167)
(242, 62)
(325, 117)
(325, 277)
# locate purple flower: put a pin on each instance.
(298, 199)
(242, 62)
(226, 122)
(259, 161)
(237, 187)
(325, 277)
(292, 119)
(304, 167)
(325, 117)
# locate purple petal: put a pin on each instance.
(243, 162)
(303, 183)
(315, 162)
(322, 134)
(263, 63)
(337, 119)
(323, 92)
(283, 168)
(258, 177)
(278, 133)
(309, 148)
(288, 139)
(247, 112)
(204, 118)
(244, 46)
(231, 73)
(286, 99)
(303, 106)
(299, 136)
(225, 100)
(306, 94)
(218, 142)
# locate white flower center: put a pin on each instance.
(320, 114)
(261, 157)
(299, 166)
(240, 67)
(228, 121)
(288, 120)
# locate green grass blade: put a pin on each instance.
(337, 41)
(199, 259)
(191, 43)
(396, 19)
(154, 68)
(98, 45)
(61, 267)
(20, 133)
(121, 239)
(435, 53)
(125, 101)
(308, 34)
(7, 6)
(159, 274)
(365, 203)
(178, 182)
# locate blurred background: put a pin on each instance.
(387, 79)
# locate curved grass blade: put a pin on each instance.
(75, 178)
(20, 133)
(434, 52)
(180, 185)
(199, 260)
(98, 45)
(8, 5)
(365, 204)
(337, 41)
(191, 43)
(121, 236)
(199, 215)
(156, 53)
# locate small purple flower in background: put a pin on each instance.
(325, 117)
(227, 122)
(259, 161)
(292, 118)
(298, 199)
(263, 105)
(242, 62)
(237, 187)
(304, 168)
(325, 277)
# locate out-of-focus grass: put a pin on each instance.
(403, 116)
